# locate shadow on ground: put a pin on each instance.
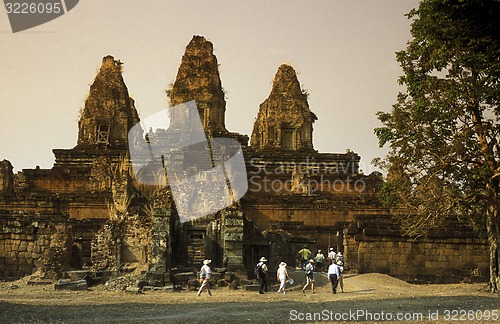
(283, 311)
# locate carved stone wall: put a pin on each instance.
(29, 242)
(106, 246)
(161, 241)
(126, 236)
(232, 237)
(375, 243)
(161, 232)
(122, 241)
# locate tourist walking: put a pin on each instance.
(282, 276)
(332, 256)
(333, 275)
(205, 276)
(340, 257)
(341, 277)
(319, 259)
(261, 273)
(309, 276)
(340, 263)
(304, 255)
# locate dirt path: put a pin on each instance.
(368, 296)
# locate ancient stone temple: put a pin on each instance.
(57, 213)
(90, 211)
(298, 196)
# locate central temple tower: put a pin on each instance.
(198, 79)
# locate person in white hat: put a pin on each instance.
(340, 263)
(261, 273)
(341, 276)
(282, 276)
(332, 256)
(340, 257)
(205, 276)
(319, 258)
(309, 276)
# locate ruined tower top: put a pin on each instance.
(284, 120)
(286, 84)
(109, 112)
(6, 177)
(198, 79)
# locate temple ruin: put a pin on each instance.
(89, 211)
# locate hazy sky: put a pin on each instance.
(342, 50)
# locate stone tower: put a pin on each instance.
(284, 120)
(109, 112)
(198, 79)
(6, 177)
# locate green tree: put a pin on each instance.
(443, 131)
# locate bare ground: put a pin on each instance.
(379, 296)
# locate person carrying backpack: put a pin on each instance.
(261, 272)
(309, 276)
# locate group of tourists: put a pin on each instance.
(320, 260)
(335, 269)
(334, 260)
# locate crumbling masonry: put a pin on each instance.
(89, 211)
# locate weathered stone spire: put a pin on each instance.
(284, 120)
(6, 177)
(198, 79)
(109, 112)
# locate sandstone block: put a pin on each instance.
(251, 287)
(71, 285)
(228, 276)
(133, 290)
(23, 247)
(184, 276)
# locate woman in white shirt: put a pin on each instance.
(205, 276)
(282, 275)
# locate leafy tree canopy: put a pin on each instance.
(443, 131)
